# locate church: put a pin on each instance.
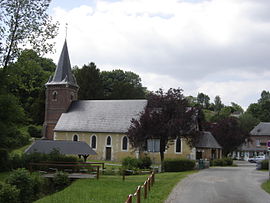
(102, 124)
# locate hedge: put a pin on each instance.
(222, 162)
(265, 164)
(176, 165)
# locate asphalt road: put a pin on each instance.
(222, 185)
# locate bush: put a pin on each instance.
(35, 131)
(145, 162)
(222, 162)
(4, 159)
(265, 164)
(176, 165)
(60, 180)
(130, 163)
(8, 193)
(21, 178)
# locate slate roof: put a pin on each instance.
(63, 74)
(263, 128)
(207, 140)
(112, 116)
(64, 147)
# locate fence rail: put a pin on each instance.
(146, 189)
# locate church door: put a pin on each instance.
(108, 153)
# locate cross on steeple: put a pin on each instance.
(66, 30)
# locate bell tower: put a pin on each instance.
(61, 90)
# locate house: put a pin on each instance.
(257, 145)
(102, 124)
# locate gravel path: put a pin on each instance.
(222, 185)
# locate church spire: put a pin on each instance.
(63, 74)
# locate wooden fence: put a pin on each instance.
(145, 188)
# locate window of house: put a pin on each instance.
(93, 142)
(75, 138)
(258, 142)
(178, 145)
(54, 95)
(109, 140)
(125, 143)
(153, 145)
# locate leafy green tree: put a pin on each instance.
(248, 121)
(265, 96)
(119, 84)
(26, 79)
(24, 22)
(218, 104)
(203, 100)
(90, 82)
(166, 117)
(236, 108)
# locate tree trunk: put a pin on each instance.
(162, 160)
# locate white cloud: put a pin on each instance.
(209, 46)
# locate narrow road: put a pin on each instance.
(240, 184)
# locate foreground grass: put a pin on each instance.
(266, 186)
(113, 189)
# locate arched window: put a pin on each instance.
(178, 145)
(125, 143)
(54, 95)
(94, 142)
(75, 138)
(109, 140)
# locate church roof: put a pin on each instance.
(100, 115)
(207, 140)
(64, 147)
(263, 128)
(63, 74)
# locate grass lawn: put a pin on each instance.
(113, 189)
(266, 186)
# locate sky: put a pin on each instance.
(218, 47)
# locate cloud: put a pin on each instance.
(210, 46)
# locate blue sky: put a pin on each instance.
(218, 47)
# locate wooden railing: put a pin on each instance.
(146, 187)
(73, 167)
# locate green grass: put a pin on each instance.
(112, 189)
(266, 186)
(3, 176)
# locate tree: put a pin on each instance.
(167, 116)
(119, 84)
(248, 122)
(90, 82)
(218, 104)
(203, 100)
(26, 80)
(265, 96)
(24, 22)
(229, 134)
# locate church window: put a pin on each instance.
(125, 143)
(54, 95)
(178, 145)
(94, 142)
(75, 138)
(109, 140)
(153, 145)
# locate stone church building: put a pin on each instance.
(102, 124)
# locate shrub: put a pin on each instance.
(222, 162)
(176, 165)
(21, 178)
(145, 162)
(130, 163)
(4, 159)
(60, 180)
(8, 193)
(35, 131)
(265, 164)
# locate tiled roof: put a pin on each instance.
(207, 140)
(63, 74)
(100, 115)
(64, 147)
(263, 128)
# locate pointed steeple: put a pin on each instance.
(63, 74)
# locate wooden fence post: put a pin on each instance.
(129, 200)
(148, 184)
(97, 172)
(145, 189)
(138, 192)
